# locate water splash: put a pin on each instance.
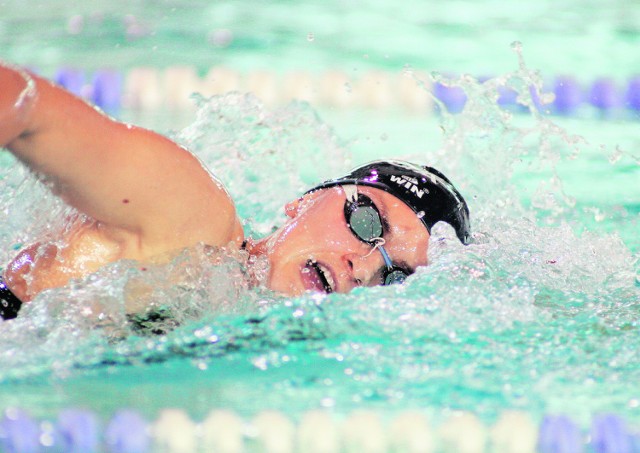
(487, 143)
(538, 313)
(265, 158)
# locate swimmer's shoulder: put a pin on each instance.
(205, 211)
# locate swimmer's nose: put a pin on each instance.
(365, 266)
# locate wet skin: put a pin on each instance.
(145, 198)
(317, 230)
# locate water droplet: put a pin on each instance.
(407, 70)
(615, 157)
(347, 87)
(221, 38)
(75, 24)
(547, 98)
(260, 363)
(327, 402)
(310, 37)
(384, 137)
(598, 215)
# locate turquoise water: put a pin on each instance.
(582, 38)
(540, 313)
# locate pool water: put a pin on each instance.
(539, 313)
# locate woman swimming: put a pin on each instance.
(145, 198)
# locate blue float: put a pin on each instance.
(19, 433)
(558, 434)
(106, 91)
(507, 96)
(453, 97)
(568, 95)
(632, 96)
(127, 432)
(604, 94)
(72, 80)
(77, 431)
(609, 435)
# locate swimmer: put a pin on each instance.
(145, 198)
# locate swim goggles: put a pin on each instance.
(365, 222)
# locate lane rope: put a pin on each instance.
(146, 88)
(316, 431)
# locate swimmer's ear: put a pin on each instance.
(291, 209)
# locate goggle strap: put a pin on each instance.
(385, 255)
(376, 242)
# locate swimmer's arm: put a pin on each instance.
(126, 177)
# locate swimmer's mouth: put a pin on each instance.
(321, 277)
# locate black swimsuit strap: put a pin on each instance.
(9, 303)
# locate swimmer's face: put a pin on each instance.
(317, 251)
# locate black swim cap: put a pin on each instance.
(424, 189)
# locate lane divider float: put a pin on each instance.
(316, 431)
(146, 88)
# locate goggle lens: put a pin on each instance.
(364, 221)
(394, 277)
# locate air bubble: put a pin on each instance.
(310, 37)
(75, 24)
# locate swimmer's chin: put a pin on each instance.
(293, 290)
(285, 289)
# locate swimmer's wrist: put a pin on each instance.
(15, 109)
(28, 93)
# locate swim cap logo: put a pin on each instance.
(409, 183)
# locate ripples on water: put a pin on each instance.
(538, 313)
